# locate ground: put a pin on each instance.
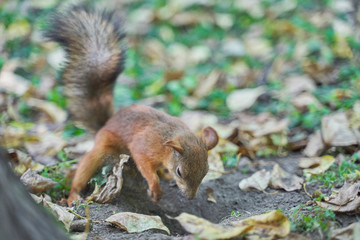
(228, 197)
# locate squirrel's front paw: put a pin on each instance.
(73, 198)
(155, 196)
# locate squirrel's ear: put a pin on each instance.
(175, 145)
(210, 137)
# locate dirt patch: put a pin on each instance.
(226, 191)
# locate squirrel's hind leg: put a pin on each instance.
(104, 149)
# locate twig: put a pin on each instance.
(79, 216)
(304, 185)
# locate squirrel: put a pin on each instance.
(154, 139)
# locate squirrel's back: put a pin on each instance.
(94, 60)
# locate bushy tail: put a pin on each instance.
(94, 60)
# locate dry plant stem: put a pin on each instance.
(304, 185)
(306, 204)
(79, 216)
(87, 226)
(267, 193)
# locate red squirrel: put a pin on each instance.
(153, 138)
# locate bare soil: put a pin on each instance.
(228, 197)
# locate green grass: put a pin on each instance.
(312, 218)
(338, 174)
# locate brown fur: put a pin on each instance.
(154, 139)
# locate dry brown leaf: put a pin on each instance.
(304, 100)
(269, 225)
(35, 182)
(353, 206)
(345, 194)
(216, 166)
(316, 165)
(336, 131)
(49, 144)
(55, 113)
(197, 120)
(350, 232)
(345, 199)
(190, 18)
(265, 226)
(135, 222)
(321, 73)
(207, 84)
(315, 146)
(280, 179)
(210, 195)
(208, 230)
(113, 184)
(297, 84)
(259, 180)
(258, 47)
(233, 47)
(242, 99)
(61, 213)
(23, 161)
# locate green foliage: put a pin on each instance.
(71, 131)
(57, 96)
(56, 173)
(230, 159)
(311, 218)
(309, 120)
(101, 177)
(338, 174)
(235, 213)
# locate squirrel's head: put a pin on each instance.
(188, 162)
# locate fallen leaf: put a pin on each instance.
(259, 180)
(315, 146)
(197, 120)
(113, 184)
(345, 199)
(240, 100)
(216, 167)
(207, 84)
(208, 230)
(350, 232)
(23, 162)
(210, 195)
(55, 113)
(49, 144)
(304, 100)
(233, 47)
(294, 85)
(353, 206)
(316, 165)
(35, 182)
(135, 222)
(280, 179)
(18, 29)
(61, 213)
(269, 225)
(11, 82)
(345, 194)
(336, 131)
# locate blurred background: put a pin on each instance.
(193, 54)
(295, 59)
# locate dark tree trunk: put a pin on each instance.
(20, 217)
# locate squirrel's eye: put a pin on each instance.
(178, 172)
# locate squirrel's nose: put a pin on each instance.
(192, 194)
